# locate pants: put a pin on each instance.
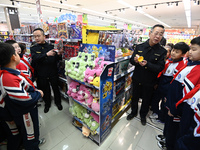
(28, 125)
(170, 132)
(44, 85)
(141, 91)
(186, 139)
(11, 133)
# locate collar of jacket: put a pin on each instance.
(156, 46)
(13, 71)
(191, 63)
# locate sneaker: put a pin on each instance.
(153, 116)
(156, 121)
(161, 138)
(42, 141)
(162, 145)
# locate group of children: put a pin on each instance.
(18, 99)
(178, 88)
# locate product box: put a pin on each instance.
(118, 103)
(128, 79)
(128, 95)
(121, 66)
(119, 86)
(75, 31)
(53, 31)
(106, 51)
(62, 31)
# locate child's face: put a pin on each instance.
(17, 48)
(194, 52)
(176, 54)
(17, 58)
(168, 52)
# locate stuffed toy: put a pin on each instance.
(95, 93)
(82, 90)
(88, 97)
(95, 104)
(96, 81)
(98, 62)
(90, 60)
(98, 71)
(72, 111)
(78, 109)
(94, 125)
(73, 89)
(95, 116)
(85, 131)
(104, 63)
(89, 75)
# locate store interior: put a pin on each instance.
(92, 25)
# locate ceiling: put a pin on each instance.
(172, 17)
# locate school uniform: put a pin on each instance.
(184, 81)
(20, 98)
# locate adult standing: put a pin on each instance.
(146, 71)
(44, 61)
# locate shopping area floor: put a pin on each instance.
(56, 127)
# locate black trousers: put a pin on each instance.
(43, 83)
(141, 91)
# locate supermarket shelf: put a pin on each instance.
(120, 111)
(23, 34)
(65, 40)
(124, 73)
(23, 42)
(85, 106)
(94, 138)
(84, 83)
(126, 89)
(63, 79)
(85, 124)
(64, 94)
(118, 59)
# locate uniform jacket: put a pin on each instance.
(16, 93)
(45, 66)
(184, 82)
(155, 57)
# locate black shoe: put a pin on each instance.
(162, 145)
(59, 107)
(143, 121)
(46, 109)
(131, 116)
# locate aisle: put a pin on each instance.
(60, 134)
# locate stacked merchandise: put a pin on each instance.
(4, 35)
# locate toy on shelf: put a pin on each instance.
(95, 104)
(85, 131)
(140, 58)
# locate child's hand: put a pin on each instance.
(41, 92)
(169, 113)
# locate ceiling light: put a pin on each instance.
(198, 3)
(62, 4)
(155, 6)
(61, 1)
(13, 3)
(176, 3)
(60, 9)
(136, 8)
(106, 12)
(187, 7)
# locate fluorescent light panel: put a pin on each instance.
(142, 12)
(187, 7)
(61, 4)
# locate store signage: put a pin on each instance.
(67, 18)
(14, 18)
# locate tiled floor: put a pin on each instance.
(60, 134)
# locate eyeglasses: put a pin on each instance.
(35, 36)
(157, 34)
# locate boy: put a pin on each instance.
(172, 65)
(184, 81)
(20, 96)
(24, 65)
(189, 134)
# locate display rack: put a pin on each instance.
(105, 113)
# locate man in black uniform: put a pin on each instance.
(44, 61)
(146, 71)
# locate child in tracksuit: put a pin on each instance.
(172, 66)
(189, 132)
(20, 96)
(24, 65)
(184, 81)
